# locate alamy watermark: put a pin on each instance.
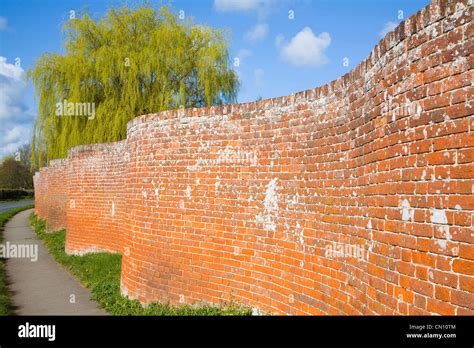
(337, 250)
(403, 109)
(28, 330)
(232, 155)
(21, 251)
(66, 108)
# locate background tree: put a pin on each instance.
(23, 154)
(130, 62)
(14, 174)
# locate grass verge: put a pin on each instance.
(5, 302)
(100, 272)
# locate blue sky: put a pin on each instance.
(277, 46)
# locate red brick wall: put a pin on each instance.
(40, 194)
(96, 186)
(244, 202)
(50, 194)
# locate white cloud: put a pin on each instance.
(259, 74)
(3, 23)
(12, 137)
(244, 53)
(15, 134)
(12, 87)
(305, 48)
(257, 33)
(279, 39)
(14, 116)
(388, 27)
(10, 70)
(261, 7)
(235, 5)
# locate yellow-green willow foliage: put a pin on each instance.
(129, 63)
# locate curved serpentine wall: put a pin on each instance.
(51, 193)
(252, 202)
(96, 204)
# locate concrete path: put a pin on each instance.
(42, 287)
(7, 205)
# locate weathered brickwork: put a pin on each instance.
(249, 202)
(50, 187)
(40, 194)
(96, 187)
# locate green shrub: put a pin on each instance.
(10, 194)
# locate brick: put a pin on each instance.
(443, 293)
(462, 299)
(440, 307)
(466, 283)
(240, 202)
(463, 266)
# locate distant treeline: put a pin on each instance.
(6, 193)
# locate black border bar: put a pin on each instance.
(312, 330)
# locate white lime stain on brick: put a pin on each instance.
(231, 155)
(291, 203)
(188, 192)
(438, 216)
(369, 224)
(418, 110)
(448, 235)
(445, 229)
(86, 250)
(124, 291)
(442, 243)
(113, 208)
(408, 213)
(458, 207)
(270, 204)
(300, 234)
(196, 166)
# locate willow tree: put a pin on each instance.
(128, 63)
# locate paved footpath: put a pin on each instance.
(42, 287)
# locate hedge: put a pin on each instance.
(6, 193)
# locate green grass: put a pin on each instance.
(5, 302)
(100, 272)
